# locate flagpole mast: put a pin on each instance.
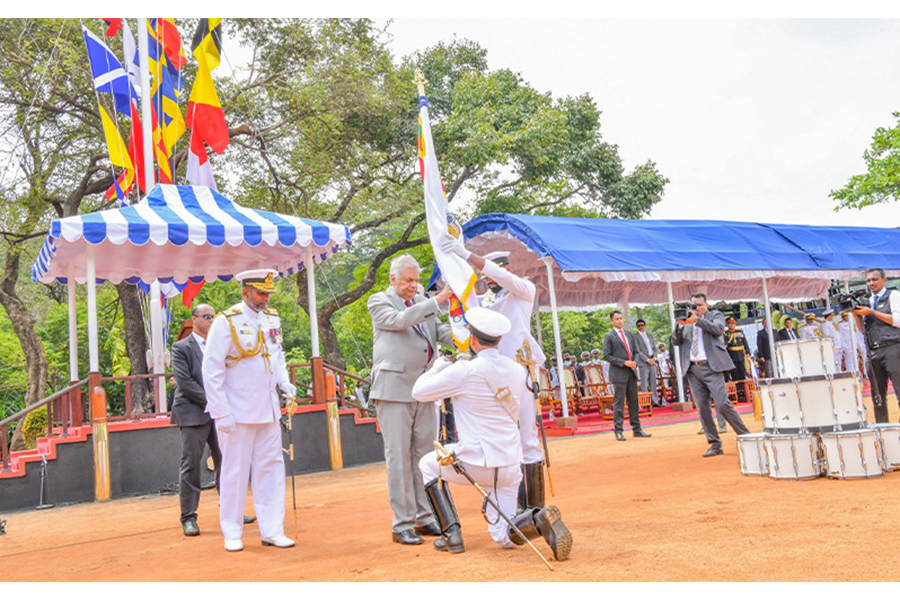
(156, 337)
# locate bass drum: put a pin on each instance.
(852, 454)
(802, 358)
(792, 456)
(889, 444)
(816, 403)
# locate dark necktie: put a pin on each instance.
(422, 331)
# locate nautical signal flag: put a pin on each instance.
(112, 26)
(205, 116)
(108, 74)
(457, 272)
(118, 153)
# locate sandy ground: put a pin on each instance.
(644, 510)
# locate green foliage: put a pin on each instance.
(881, 182)
(35, 427)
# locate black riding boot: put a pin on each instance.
(451, 539)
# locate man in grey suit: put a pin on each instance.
(647, 359)
(189, 413)
(701, 341)
(406, 335)
(622, 354)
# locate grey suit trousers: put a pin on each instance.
(408, 430)
(647, 374)
(707, 385)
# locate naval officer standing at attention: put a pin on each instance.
(243, 366)
(406, 332)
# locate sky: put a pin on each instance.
(750, 119)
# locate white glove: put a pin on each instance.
(440, 363)
(455, 246)
(289, 390)
(226, 425)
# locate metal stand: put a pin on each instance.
(42, 506)
(2, 526)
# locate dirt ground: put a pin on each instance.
(644, 510)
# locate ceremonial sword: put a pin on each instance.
(290, 411)
(525, 358)
(446, 458)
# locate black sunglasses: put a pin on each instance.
(207, 317)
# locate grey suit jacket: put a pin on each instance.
(615, 353)
(646, 353)
(189, 403)
(400, 352)
(713, 326)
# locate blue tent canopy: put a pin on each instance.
(600, 262)
(177, 233)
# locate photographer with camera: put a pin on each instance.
(701, 342)
(882, 324)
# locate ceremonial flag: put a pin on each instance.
(167, 34)
(199, 171)
(112, 26)
(107, 71)
(118, 153)
(132, 58)
(457, 272)
(167, 84)
(205, 116)
(190, 292)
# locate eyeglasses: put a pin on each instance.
(207, 317)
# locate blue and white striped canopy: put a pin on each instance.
(179, 233)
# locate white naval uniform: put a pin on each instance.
(488, 436)
(848, 347)
(809, 332)
(829, 331)
(246, 391)
(516, 302)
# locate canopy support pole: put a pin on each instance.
(156, 345)
(679, 381)
(93, 345)
(332, 416)
(770, 326)
(560, 365)
(74, 400)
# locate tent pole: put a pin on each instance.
(679, 381)
(156, 345)
(311, 299)
(93, 345)
(73, 403)
(560, 365)
(770, 326)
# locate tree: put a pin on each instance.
(881, 183)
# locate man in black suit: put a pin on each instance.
(189, 413)
(620, 351)
(764, 352)
(788, 333)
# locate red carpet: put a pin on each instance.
(593, 423)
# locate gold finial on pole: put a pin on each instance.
(420, 81)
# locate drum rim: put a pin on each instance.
(774, 436)
(794, 380)
(806, 341)
(836, 434)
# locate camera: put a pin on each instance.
(683, 310)
(850, 301)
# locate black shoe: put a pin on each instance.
(406, 537)
(640, 433)
(190, 527)
(248, 520)
(431, 529)
(620, 436)
(549, 523)
(451, 541)
(713, 452)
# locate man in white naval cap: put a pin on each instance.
(243, 366)
(486, 392)
(513, 297)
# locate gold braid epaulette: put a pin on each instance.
(260, 348)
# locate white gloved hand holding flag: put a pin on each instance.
(453, 245)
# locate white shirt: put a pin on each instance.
(698, 352)
(200, 342)
(488, 435)
(894, 303)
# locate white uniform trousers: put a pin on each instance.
(253, 449)
(506, 493)
(532, 451)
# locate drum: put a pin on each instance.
(801, 358)
(792, 456)
(752, 454)
(852, 454)
(889, 444)
(816, 403)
